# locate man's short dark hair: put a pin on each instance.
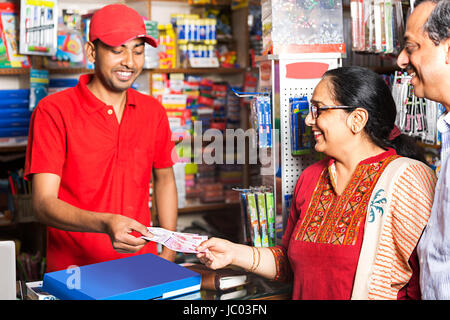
(438, 24)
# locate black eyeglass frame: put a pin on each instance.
(315, 110)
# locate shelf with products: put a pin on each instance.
(222, 71)
(197, 206)
(14, 71)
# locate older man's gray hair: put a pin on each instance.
(438, 24)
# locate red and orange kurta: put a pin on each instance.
(322, 243)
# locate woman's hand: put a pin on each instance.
(216, 253)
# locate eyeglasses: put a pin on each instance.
(315, 111)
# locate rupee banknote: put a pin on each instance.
(176, 241)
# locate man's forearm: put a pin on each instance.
(61, 215)
(167, 204)
(165, 192)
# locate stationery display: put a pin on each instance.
(14, 113)
(38, 26)
(260, 116)
(416, 117)
(258, 216)
(39, 81)
(151, 53)
(176, 241)
(301, 134)
(377, 26)
(197, 40)
(303, 26)
(9, 48)
(70, 50)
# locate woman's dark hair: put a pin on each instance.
(363, 88)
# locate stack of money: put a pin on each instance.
(176, 241)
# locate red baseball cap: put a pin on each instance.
(116, 24)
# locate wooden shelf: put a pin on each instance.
(202, 207)
(11, 149)
(20, 71)
(200, 70)
(14, 71)
(426, 145)
(69, 70)
(5, 222)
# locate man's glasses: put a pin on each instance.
(315, 111)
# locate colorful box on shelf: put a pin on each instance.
(9, 53)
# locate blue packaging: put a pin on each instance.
(15, 113)
(15, 94)
(300, 132)
(62, 83)
(13, 132)
(14, 122)
(38, 86)
(14, 103)
(264, 114)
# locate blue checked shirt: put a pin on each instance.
(433, 248)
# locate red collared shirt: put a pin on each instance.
(104, 166)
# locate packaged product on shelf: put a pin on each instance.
(377, 26)
(262, 215)
(38, 86)
(38, 26)
(258, 216)
(300, 133)
(59, 84)
(9, 46)
(70, 51)
(151, 53)
(212, 192)
(263, 115)
(14, 116)
(166, 46)
(270, 209)
(416, 117)
(254, 221)
(307, 26)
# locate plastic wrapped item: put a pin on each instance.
(377, 26)
(302, 26)
(151, 53)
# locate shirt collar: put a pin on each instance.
(90, 102)
(443, 123)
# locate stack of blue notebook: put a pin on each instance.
(140, 277)
(14, 112)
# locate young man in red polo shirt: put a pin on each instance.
(92, 150)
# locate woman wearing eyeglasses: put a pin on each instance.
(357, 215)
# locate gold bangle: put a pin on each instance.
(259, 260)
(253, 263)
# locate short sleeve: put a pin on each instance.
(46, 142)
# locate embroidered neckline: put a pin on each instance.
(336, 219)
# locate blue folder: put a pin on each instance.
(140, 277)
